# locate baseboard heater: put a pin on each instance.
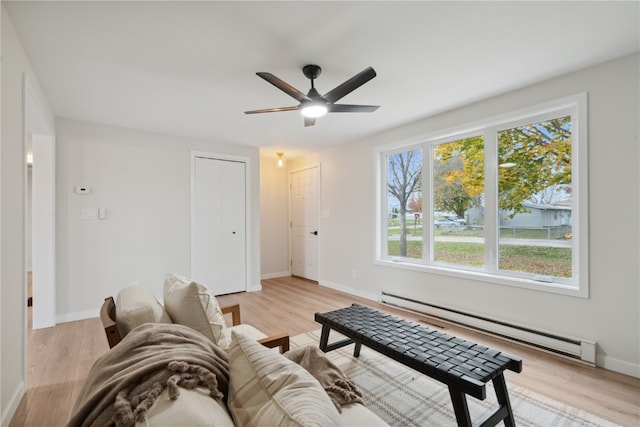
(575, 348)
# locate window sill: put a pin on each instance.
(555, 288)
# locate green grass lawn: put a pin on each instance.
(530, 259)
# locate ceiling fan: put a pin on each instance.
(313, 105)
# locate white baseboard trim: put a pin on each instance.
(618, 365)
(255, 288)
(13, 404)
(352, 291)
(274, 275)
(72, 317)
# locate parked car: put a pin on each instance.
(438, 223)
(459, 221)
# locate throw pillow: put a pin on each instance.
(135, 305)
(192, 304)
(266, 388)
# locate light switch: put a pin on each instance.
(89, 214)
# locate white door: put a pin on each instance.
(218, 236)
(305, 205)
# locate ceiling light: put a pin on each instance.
(314, 109)
(280, 161)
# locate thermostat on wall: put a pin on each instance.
(80, 189)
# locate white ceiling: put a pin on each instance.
(188, 68)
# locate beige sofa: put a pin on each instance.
(138, 306)
(265, 387)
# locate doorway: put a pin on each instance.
(39, 211)
(305, 233)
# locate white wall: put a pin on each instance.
(609, 316)
(15, 66)
(274, 208)
(143, 181)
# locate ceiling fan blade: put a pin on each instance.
(272, 110)
(284, 86)
(309, 121)
(346, 108)
(350, 85)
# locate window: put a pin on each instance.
(534, 183)
(458, 185)
(502, 201)
(404, 204)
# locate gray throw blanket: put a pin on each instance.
(341, 389)
(124, 383)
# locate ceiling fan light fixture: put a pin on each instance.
(313, 105)
(314, 110)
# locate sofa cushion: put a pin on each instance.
(194, 407)
(357, 415)
(192, 304)
(266, 388)
(135, 305)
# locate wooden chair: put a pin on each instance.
(108, 318)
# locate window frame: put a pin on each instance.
(578, 284)
(383, 171)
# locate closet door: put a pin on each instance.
(218, 232)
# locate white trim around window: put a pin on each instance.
(577, 284)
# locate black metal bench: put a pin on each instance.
(465, 367)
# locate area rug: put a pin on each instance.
(404, 397)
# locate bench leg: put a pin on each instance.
(503, 412)
(460, 408)
(503, 399)
(356, 349)
(324, 338)
(326, 347)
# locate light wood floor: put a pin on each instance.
(60, 357)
